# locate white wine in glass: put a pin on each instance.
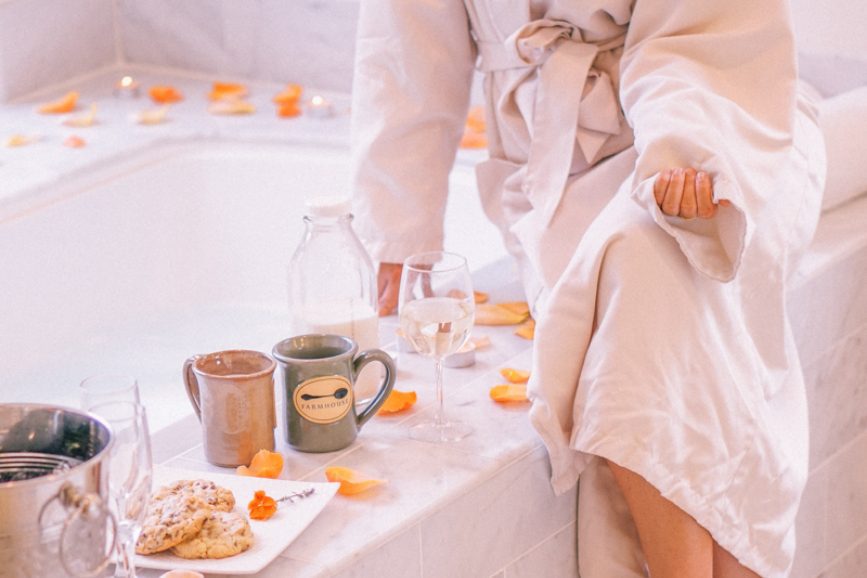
(436, 309)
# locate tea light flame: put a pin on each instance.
(320, 107)
(126, 87)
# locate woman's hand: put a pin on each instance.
(685, 193)
(388, 284)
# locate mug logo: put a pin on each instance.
(323, 399)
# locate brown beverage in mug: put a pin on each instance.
(232, 393)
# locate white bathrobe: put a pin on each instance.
(662, 343)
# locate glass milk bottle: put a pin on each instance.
(332, 284)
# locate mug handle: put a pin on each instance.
(191, 384)
(385, 359)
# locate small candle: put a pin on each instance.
(463, 357)
(320, 107)
(126, 87)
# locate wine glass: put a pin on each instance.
(436, 310)
(130, 476)
(106, 387)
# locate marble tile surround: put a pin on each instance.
(828, 307)
(44, 42)
(307, 41)
(47, 42)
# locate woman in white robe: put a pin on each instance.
(662, 346)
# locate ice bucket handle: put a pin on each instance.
(77, 505)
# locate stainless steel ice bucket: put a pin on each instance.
(54, 519)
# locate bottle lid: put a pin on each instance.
(329, 206)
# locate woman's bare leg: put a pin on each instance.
(675, 545)
(726, 566)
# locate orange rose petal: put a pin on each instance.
(18, 140)
(164, 94)
(518, 307)
(480, 297)
(262, 506)
(476, 119)
(510, 392)
(351, 482)
(264, 464)
(515, 375)
(288, 110)
(151, 117)
(82, 120)
(527, 330)
(474, 130)
(64, 104)
(290, 94)
(74, 142)
(227, 91)
(481, 342)
(398, 401)
(231, 106)
(496, 314)
(473, 140)
(456, 294)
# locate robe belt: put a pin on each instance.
(574, 104)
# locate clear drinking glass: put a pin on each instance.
(130, 476)
(436, 310)
(107, 387)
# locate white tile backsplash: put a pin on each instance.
(45, 42)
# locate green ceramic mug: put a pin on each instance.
(319, 372)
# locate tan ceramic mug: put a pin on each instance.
(232, 393)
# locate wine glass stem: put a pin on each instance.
(440, 418)
(125, 566)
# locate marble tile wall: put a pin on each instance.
(846, 522)
(828, 309)
(852, 563)
(837, 390)
(810, 527)
(832, 521)
(835, 29)
(307, 41)
(45, 42)
(508, 510)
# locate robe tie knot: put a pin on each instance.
(570, 92)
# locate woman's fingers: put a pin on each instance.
(687, 201)
(388, 284)
(673, 194)
(704, 196)
(660, 185)
(685, 193)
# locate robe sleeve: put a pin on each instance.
(413, 72)
(711, 85)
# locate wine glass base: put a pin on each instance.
(449, 431)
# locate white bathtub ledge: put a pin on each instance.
(29, 170)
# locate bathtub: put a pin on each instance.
(175, 251)
(182, 249)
